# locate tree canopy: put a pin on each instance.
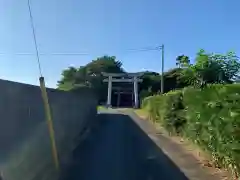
(212, 68)
(89, 74)
(206, 68)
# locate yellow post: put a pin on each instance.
(49, 122)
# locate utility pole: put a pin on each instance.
(162, 79)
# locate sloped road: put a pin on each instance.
(119, 150)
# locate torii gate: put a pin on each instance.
(132, 77)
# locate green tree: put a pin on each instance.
(90, 75)
(68, 79)
(173, 79)
(212, 68)
(230, 65)
(151, 82)
(182, 61)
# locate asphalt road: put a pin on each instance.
(119, 150)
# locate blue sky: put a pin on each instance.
(100, 27)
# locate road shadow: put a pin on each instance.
(118, 149)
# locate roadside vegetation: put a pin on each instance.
(208, 111)
(201, 99)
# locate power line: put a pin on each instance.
(46, 54)
(66, 54)
(34, 38)
(78, 53)
(145, 49)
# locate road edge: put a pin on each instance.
(187, 163)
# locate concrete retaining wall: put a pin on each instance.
(25, 151)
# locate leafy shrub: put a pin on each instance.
(210, 117)
(152, 104)
(144, 93)
(213, 117)
(174, 119)
(166, 109)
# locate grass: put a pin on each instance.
(99, 108)
(141, 113)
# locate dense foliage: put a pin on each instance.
(90, 76)
(210, 117)
(207, 68)
(208, 110)
(210, 68)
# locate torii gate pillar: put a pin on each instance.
(109, 97)
(135, 87)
